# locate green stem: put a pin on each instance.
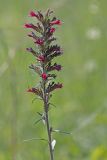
(46, 109)
(47, 121)
(49, 137)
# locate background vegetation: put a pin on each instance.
(81, 104)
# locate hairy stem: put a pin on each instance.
(49, 137)
(46, 109)
(47, 122)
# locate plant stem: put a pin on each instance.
(47, 121)
(46, 109)
(49, 137)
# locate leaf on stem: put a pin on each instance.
(41, 139)
(43, 117)
(38, 121)
(59, 131)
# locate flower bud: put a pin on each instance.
(39, 42)
(56, 22)
(33, 14)
(41, 58)
(52, 30)
(44, 76)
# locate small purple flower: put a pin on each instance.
(52, 86)
(58, 67)
(32, 51)
(29, 49)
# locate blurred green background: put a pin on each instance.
(81, 104)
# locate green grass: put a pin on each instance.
(81, 104)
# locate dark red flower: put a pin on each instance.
(56, 66)
(39, 42)
(36, 91)
(58, 85)
(56, 22)
(52, 86)
(41, 58)
(33, 14)
(27, 25)
(44, 76)
(32, 90)
(52, 30)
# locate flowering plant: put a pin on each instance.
(43, 37)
